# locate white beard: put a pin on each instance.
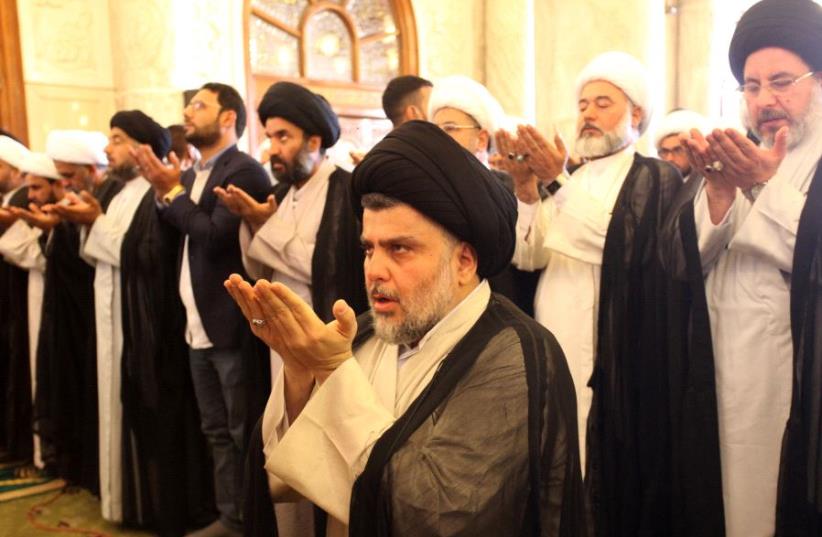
(592, 147)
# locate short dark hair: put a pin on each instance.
(399, 93)
(229, 99)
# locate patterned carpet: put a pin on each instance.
(70, 513)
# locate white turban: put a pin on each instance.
(77, 147)
(41, 165)
(679, 122)
(625, 72)
(468, 96)
(12, 151)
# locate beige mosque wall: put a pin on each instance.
(84, 59)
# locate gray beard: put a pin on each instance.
(797, 130)
(422, 311)
(593, 147)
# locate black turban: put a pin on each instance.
(143, 129)
(422, 166)
(307, 110)
(795, 25)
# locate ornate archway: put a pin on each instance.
(346, 50)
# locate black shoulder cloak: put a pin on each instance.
(551, 487)
(168, 485)
(65, 406)
(17, 407)
(696, 474)
(799, 494)
(628, 468)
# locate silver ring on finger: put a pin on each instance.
(258, 322)
(522, 158)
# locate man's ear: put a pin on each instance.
(484, 140)
(315, 141)
(412, 112)
(228, 118)
(467, 261)
(636, 116)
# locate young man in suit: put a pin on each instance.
(215, 329)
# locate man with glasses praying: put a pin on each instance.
(220, 351)
(755, 233)
(668, 142)
(466, 111)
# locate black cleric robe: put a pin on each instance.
(167, 484)
(799, 494)
(17, 404)
(65, 406)
(628, 463)
(696, 475)
(541, 493)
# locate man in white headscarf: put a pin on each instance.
(22, 245)
(467, 111)
(667, 139)
(602, 290)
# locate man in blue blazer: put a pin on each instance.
(210, 251)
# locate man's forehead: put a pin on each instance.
(276, 124)
(206, 96)
(397, 219)
(449, 113)
(770, 61)
(601, 88)
(117, 132)
(670, 140)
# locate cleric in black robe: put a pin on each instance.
(17, 407)
(782, 34)
(485, 443)
(167, 483)
(335, 266)
(65, 407)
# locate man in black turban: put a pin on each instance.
(748, 241)
(445, 410)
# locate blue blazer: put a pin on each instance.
(214, 243)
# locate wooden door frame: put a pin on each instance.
(12, 84)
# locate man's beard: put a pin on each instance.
(423, 309)
(797, 129)
(204, 136)
(296, 172)
(592, 147)
(126, 171)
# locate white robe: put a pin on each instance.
(565, 235)
(748, 259)
(282, 250)
(321, 454)
(101, 248)
(20, 246)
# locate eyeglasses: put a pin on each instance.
(776, 86)
(453, 127)
(199, 105)
(665, 152)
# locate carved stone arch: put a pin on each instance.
(280, 44)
